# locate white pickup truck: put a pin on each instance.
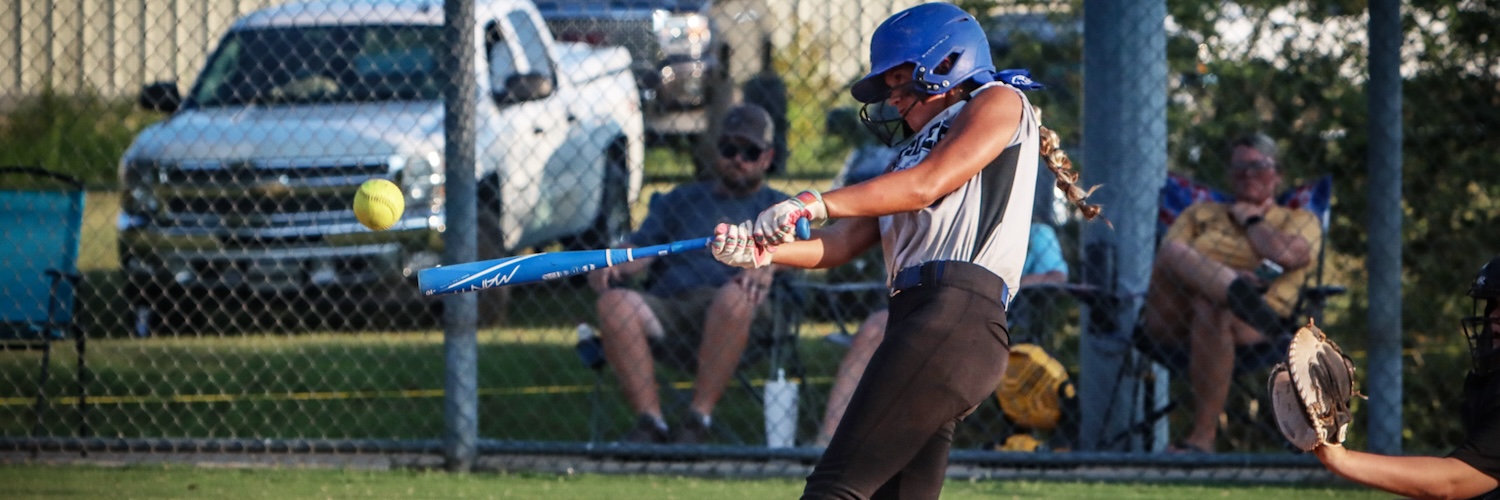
(248, 185)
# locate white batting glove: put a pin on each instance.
(732, 245)
(778, 224)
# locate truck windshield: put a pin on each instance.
(338, 64)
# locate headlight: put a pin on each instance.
(421, 177)
(138, 179)
(681, 34)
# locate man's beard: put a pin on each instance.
(741, 185)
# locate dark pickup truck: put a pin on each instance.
(679, 57)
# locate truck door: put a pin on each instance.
(550, 125)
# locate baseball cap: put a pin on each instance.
(749, 122)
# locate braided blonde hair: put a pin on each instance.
(1067, 179)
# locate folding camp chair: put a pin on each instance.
(39, 231)
(1160, 361)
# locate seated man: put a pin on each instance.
(1225, 275)
(694, 303)
(1044, 264)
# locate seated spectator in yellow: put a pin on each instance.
(1226, 275)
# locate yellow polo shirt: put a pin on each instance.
(1208, 228)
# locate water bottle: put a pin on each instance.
(781, 412)
(590, 349)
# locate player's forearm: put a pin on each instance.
(1415, 477)
(832, 246)
(805, 254)
(820, 252)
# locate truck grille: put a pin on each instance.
(246, 205)
(246, 173)
(264, 192)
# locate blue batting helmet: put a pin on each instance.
(926, 35)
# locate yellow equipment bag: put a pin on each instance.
(1034, 386)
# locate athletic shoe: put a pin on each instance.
(647, 430)
(695, 429)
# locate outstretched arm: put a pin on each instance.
(1416, 477)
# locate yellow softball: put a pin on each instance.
(378, 204)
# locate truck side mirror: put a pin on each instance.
(161, 96)
(527, 87)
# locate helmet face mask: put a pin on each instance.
(1480, 331)
(1479, 327)
(886, 122)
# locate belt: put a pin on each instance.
(965, 274)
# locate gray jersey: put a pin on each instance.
(987, 220)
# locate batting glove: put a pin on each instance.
(732, 245)
(776, 225)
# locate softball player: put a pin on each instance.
(1472, 470)
(953, 215)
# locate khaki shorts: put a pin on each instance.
(682, 318)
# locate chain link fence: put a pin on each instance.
(228, 295)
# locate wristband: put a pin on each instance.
(1253, 220)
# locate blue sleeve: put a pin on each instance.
(1044, 253)
(656, 229)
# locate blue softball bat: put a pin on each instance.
(475, 276)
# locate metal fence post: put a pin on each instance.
(1384, 225)
(460, 316)
(1125, 139)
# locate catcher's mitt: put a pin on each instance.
(1032, 392)
(1311, 391)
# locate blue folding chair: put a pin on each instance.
(39, 231)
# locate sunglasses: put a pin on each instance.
(1261, 164)
(747, 153)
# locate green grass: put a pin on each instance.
(29, 482)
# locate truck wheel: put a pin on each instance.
(612, 223)
(490, 244)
